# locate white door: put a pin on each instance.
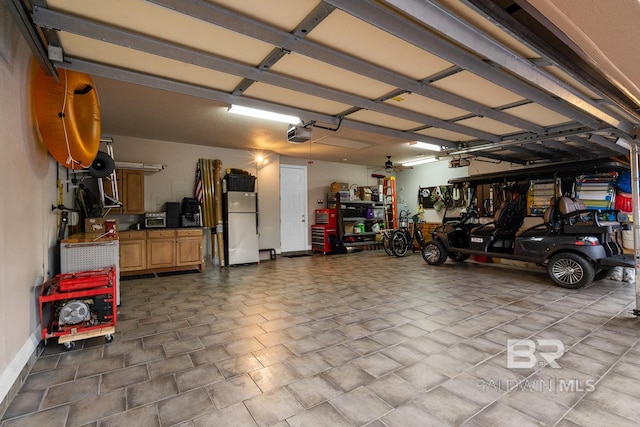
(294, 224)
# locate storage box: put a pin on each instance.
(364, 193)
(344, 196)
(238, 182)
(339, 186)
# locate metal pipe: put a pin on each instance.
(635, 198)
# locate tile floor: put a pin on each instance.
(351, 340)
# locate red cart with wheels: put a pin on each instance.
(81, 305)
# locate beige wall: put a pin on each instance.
(27, 224)
(177, 180)
(320, 175)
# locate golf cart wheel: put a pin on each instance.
(399, 244)
(570, 270)
(434, 253)
(386, 244)
(458, 257)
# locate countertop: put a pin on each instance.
(96, 237)
(89, 238)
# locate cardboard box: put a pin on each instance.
(344, 196)
(364, 193)
(339, 186)
(97, 225)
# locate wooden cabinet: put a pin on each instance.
(130, 185)
(155, 251)
(133, 250)
(161, 248)
(188, 247)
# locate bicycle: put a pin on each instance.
(387, 235)
(390, 241)
(405, 237)
(397, 241)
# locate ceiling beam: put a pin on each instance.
(233, 21)
(143, 79)
(554, 51)
(407, 30)
(500, 158)
(128, 39)
(526, 152)
(571, 151)
(439, 19)
(598, 145)
(610, 145)
(23, 21)
(549, 153)
(519, 139)
(317, 15)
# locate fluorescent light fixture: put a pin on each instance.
(262, 114)
(426, 146)
(420, 161)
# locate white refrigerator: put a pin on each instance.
(241, 227)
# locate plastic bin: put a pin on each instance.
(237, 182)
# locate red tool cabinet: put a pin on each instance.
(79, 305)
(321, 236)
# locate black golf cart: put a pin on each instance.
(574, 243)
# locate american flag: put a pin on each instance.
(198, 191)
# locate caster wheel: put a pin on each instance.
(69, 346)
(108, 338)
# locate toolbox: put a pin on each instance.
(80, 305)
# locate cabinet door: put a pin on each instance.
(133, 198)
(133, 255)
(189, 251)
(161, 253)
(161, 248)
(130, 185)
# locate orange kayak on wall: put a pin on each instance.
(68, 116)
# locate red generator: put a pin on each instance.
(81, 305)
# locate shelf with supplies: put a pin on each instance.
(362, 221)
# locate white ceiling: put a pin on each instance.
(478, 77)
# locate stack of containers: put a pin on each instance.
(625, 205)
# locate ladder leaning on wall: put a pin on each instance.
(390, 202)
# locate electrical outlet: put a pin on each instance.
(320, 201)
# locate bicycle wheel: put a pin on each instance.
(399, 243)
(386, 244)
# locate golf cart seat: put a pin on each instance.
(576, 218)
(550, 222)
(501, 232)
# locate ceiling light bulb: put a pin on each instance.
(263, 114)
